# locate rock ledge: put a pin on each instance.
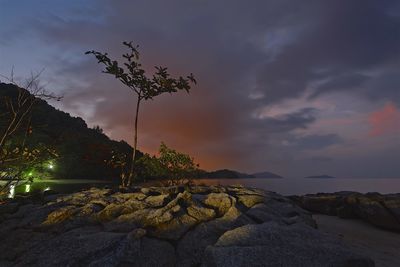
(167, 226)
(380, 210)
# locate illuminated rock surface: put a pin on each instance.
(167, 226)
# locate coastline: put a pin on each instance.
(167, 226)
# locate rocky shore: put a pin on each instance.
(380, 210)
(167, 226)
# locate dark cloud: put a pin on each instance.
(342, 42)
(316, 142)
(288, 122)
(274, 50)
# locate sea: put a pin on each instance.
(285, 186)
(302, 186)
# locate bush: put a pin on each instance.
(176, 167)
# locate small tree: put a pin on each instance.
(145, 87)
(148, 168)
(19, 106)
(177, 168)
(118, 161)
(19, 152)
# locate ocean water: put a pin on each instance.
(59, 186)
(303, 186)
(283, 186)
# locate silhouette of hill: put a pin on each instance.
(228, 174)
(83, 152)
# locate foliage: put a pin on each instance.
(98, 129)
(169, 167)
(176, 167)
(132, 74)
(82, 153)
(148, 168)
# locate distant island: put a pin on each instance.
(228, 174)
(320, 177)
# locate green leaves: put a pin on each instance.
(176, 166)
(134, 76)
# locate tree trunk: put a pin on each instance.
(132, 169)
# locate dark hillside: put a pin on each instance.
(84, 153)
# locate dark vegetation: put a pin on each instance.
(79, 152)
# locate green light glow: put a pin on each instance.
(51, 166)
(27, 188)
(30, 173)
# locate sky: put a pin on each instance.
(293, 87)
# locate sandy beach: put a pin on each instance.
(382, 246)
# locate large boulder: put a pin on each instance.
(191, 247)
(221, 202)
(392, 203)
(8, 208)
(271, 244)
(78, 247)
(380, 210)
(376, 213)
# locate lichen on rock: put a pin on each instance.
(164, 226)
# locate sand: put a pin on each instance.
(380, 245)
